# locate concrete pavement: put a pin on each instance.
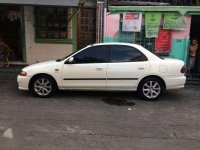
(97, 120)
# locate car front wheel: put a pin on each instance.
(43, 86)
(150, 89)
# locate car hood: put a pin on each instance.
(43, 65)
(46, 63)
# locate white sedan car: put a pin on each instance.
(106, 67)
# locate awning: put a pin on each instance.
(42, 2)
(184, 10)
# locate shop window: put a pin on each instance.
(148, 43)
(51, 23)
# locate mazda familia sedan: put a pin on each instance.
(105, 67)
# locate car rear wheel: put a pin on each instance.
(151, 88)
(43, 86)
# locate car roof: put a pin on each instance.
(115, 43)
(118, 43)
(147, 53)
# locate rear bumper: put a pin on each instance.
(175, 82)
(23, 82)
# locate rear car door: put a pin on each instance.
(126, 65)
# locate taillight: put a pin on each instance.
(183, 69)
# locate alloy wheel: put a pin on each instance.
(151, 89)
(43, 86)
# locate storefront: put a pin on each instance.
(38, 30)
(11, 28)
(44, 30)
(165, 29)
(195, 33)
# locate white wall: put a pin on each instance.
(37, 52)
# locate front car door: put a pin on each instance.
(127, 64)
(88, 70)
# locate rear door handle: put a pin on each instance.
(141, 68)
(99, 69)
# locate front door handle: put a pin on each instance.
(99, 69)
(141, 68)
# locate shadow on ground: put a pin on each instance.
(117, 101)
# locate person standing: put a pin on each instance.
(192, 54)
(4, 50)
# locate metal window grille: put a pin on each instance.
(51, 22)
(137, 38)
(193, 77)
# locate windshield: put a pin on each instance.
(61, 59)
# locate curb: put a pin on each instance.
(190, 82)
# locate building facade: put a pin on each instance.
(164, 27)
(44, 30)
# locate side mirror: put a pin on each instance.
(71, 60)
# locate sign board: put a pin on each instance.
(174, 21)
(163, 43)
(132, 22)
(152, 22)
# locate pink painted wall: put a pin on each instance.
(111, 24)
(185, 34)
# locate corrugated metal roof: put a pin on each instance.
(42, 2)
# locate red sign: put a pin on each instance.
(131, 16)
(163, 42)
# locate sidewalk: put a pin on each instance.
(193, 82)
(11, 72)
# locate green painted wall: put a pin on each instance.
(108, 39)
(180, 49)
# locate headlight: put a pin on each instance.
(23, 73)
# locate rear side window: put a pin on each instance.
(95, 54)
(121, 53)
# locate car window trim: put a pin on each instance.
(107, 55)
(126, 61)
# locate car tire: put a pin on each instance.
(150, 88)
(43, 86)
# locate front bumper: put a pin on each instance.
(23, 82)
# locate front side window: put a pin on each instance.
(51, 22)
(95, 54)
(121, 53)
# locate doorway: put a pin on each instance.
(195, 33)
(86, 27)
(10, 30)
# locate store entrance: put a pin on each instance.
(195, 34)
(10, 30)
